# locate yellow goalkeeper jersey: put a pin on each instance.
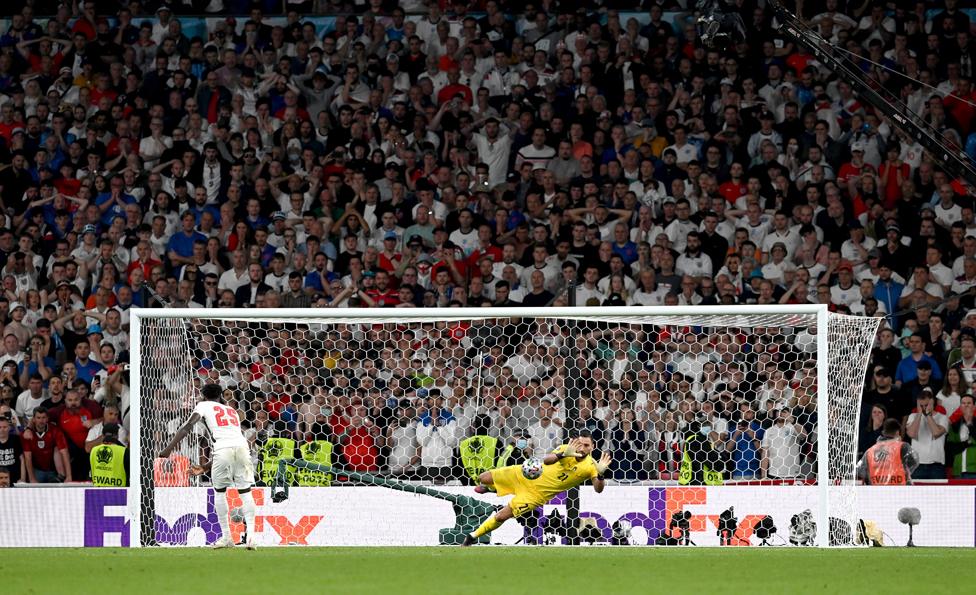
(565, 473)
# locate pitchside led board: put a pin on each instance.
(362, 516)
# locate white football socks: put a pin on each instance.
(220, 506)
(249, 511)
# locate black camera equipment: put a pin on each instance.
(803, 529)
(621, 533)
(727, 524)
(765, 529)
(554, 528)
(589, 532)
(681, 520)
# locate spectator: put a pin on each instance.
(961, 440)
(86, 367)
(872, 428)
(11, 452)
(46, 451)
(927, 428)
(361, 440)
(247, 294)
(628, 445)
(546, 433)
(32, 398)
(781, 445)
(744, 447)
(955, 386)
(404, 457)
(110, 414)
(75, 417)
(908, 367)
(893, 398)
(922, 381)
(437, 436)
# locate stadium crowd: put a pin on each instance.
(481, 154)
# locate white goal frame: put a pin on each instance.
(379, 316)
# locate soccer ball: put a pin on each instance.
(532, 468)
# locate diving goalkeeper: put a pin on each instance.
(566, 467)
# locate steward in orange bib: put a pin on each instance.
(890, 462)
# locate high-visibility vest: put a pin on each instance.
(478, 455)
(173, 472)
(503, 457)
(885, 467)
(273, 451)
(108, 466)
(317, 451)
(687, 473)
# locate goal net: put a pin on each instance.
(731, 426)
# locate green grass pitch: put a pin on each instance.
(486, 569)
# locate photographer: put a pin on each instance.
(701, 463)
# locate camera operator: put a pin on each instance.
(701, 464)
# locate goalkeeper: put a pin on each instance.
(566, 467)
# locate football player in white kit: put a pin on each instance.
(230, 463)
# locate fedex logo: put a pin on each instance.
(662, 503)
(288, 533)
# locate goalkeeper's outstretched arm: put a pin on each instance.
(570, 450)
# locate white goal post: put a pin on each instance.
(741, 367)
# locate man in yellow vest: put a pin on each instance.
(275, 448)
(110, 460)
(478, 455)
(890, 461)
(700, 463)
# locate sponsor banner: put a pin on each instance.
(377, 516)
(98, 517)
(63, 517)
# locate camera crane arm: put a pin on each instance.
(717, 26)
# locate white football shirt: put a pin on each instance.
(223, 424)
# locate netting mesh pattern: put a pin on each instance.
(695, 400)
(849, 339)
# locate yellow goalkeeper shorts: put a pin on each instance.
(509, 480)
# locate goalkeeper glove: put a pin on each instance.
(570, 451)
(602, 466)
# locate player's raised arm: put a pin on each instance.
(571, 449)
(180, 435)
(601, 468)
